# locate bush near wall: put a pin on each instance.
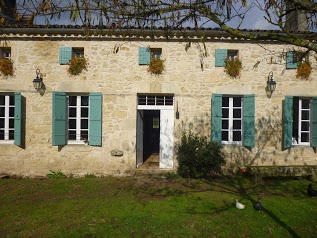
(197, 157)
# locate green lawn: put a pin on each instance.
(155, 207)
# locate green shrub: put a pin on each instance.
(56, 175)
(172, 175)
(197, 157)
(90, 176)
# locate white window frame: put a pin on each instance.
(78, 118)
(299, 126)
(155, 102)
(7, 118)
(230, 122)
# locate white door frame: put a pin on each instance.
(166, 134)
(139, 138)
(166, 138)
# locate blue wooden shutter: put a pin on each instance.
(95, 119)
(65, 54)
(313, 128)
(144, 55)
(216, 119)
(59, 118)
(290, 64)
(17, 119)
(248, 121)
(288, 122)
(221, 55)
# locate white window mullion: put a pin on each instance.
(6, 118)
(302, 120)
(230, 120)
(308, 122)
(231, 128)
(78, 116)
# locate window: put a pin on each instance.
(78, 52)
(77, 118)
(6, 117)
(146, 54)
(67, 53)
(156, 100)
(295, 57)
(10, 118)
(301, 118)
(233, 119)
(5, 52)
(156, 123)
(300, 121)
(155, 52)
(222, 54)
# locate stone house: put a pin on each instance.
(110, 119)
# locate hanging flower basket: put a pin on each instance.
(233, 67)
(77, 65)
(6, 67)
(303, 70)
(156, 66)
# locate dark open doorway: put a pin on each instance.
(151, 133)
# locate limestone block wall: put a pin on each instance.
(189, 74)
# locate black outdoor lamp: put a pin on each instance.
(271, 84)
(38, 82)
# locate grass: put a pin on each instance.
(154, 207)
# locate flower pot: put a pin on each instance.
(243, 170)
(6, 67)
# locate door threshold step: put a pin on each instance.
(153, 171)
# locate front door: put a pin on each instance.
(139, 138)
(155, 128)
(166, 138)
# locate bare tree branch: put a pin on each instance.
(181, 13)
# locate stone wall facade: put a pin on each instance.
(190, 75)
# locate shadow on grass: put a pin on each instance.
(243, 192)
(237, 187)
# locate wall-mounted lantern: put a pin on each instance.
(38, 83)
(270, 84)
